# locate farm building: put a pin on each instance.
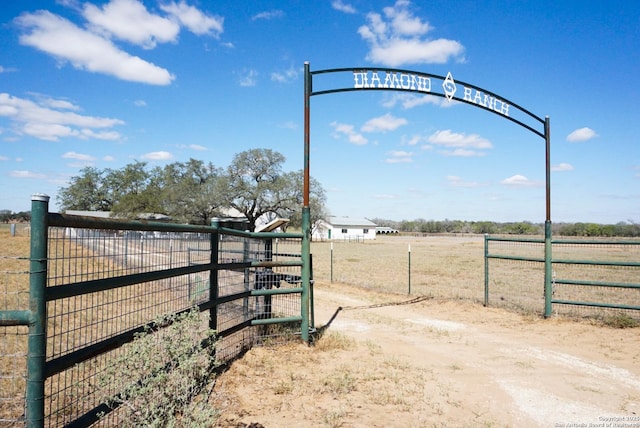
(385, 230)
(344, 228)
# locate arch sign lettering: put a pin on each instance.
(321, 82)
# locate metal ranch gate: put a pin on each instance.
(94, 284)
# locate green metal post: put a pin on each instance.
(409, 269)
(548, 291)
(37, 341)
(306, 273)
(486, 269)
(213, 276)
(331, 261)
(306, 214)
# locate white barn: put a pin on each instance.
(344, 228)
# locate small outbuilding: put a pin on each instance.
(344, 228)
(386, 230)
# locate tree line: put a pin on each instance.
(621, 229)
(194, 192)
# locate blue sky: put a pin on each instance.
(106, 83)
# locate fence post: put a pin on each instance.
(306, 273)
(409, 269)
(486, 269)
(213, 276)
(548, 289)
(37, 341)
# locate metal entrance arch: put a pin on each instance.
(389, 79)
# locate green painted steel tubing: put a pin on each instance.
(306, 273)
(486, 269)
(596, 263)
(278, 321)
(37, 341)
(514, 239)
(14, 317)
(548, 289)
(517, 258)
(595, 304)
(597, 283)
(67, 220)
(213, 279)
(274, 291)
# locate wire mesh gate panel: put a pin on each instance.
(598, 278)
(14, 294)
(590, 278)
(107, 281)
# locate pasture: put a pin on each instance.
(356, 279)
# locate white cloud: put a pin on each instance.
(7, 69)
(414, 140)
(288, 125)
(519, 181)
(140, 103)
(459, 144)
(268, 15)
(341, 6)
(456, 181)
(195, 20)
(157, 156)
(342, 129)
(581, 134)
(384, 123)
(249, 78)
(285, 76)
(409, 101)
(41, 120)
(385, 196)
(78, 156)
(398, 38)
(562, 167)
(27, 174)
(85, 50)
(400, 156)
(58, 104)
(4, 158)
(131, 21)
(108, 158)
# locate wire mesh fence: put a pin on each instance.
(596, 278)
(589, 278)
(106, 283)
(85, 313)
(14, 295)
(441, 267)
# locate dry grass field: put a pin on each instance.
(440, 266)
(385, 358)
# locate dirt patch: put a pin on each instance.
(393, 361)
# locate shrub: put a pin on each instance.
(159, 376)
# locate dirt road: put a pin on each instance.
(394, 361)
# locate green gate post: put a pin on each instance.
(548, 291)
(306, 274)
(306, 213)
(486, 269)
(409, 270)
(213, 275)
(37, 341)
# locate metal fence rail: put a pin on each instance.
(94, 284)
(594, 278)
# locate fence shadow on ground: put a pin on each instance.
(320, 331)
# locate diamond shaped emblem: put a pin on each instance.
(449, 86)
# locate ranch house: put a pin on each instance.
(344, 228)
